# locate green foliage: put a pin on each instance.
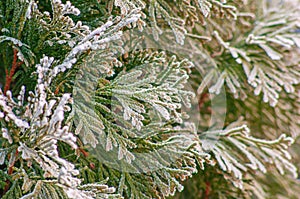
(84, 116)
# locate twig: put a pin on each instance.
(207, 190)
(86, 154)
(10, 75)
(9, 172)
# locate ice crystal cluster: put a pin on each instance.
(124, 99)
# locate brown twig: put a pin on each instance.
(85, 154)
(10, 172)
(207, 190)
(58, 87)
(9, 76)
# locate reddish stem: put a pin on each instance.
(10, 172)
(207, 190)
(58, 87)
(86, 154)
(92, 165)
(9, 76)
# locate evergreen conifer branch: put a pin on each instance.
(82, 115)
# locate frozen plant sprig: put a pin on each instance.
(236, 151)
(36, 128)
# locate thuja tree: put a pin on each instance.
(149, 99)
